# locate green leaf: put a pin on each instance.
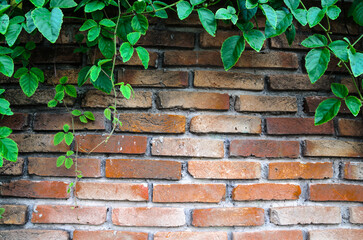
(28, 83)
(65, 127)
(60, 160)
(356, 62)
(62, 3)
(196, 2)
(327, 3)
(59, 87)
(223, 14)
(290, 34)
(333, 12)
(144, 56)
(184, 9)
(251, 4)
(107, 47)
(255, 39)
(94, 6)
(5, 50)
(5, 132)
(2, 210)
(316, 40)
(231, 51)
(246, 14)
(17, 52)
(69, 153)
(4, 7)
(107, 113)
(12, 33)
(38, 73)
(30, 45)
(133, 37)
(29, 26)
(52, 103)
(139, 6)
(270, 14)
(83, 119)
(83, 75)
(301, 16)
(89, 115)
(208, 20)
(68, 163)
(103, 61)
(292, 4)
(76, 113)
(315, 15)
(9, 149)
(284, 20)
(126, 51)
(4, 23)
(38, 3)
(90, 23)
(95, 72)
(63, 80)
(316, 63)
(326, 111)
(103, 82)
(48, 23)
(68, 138)
(140, 24)
(339, 90)
(354, 105)
(340, 49)
(124, 28)
(93, 33)
(107, 23)
(358, 14)
(126, 91)
(58, 138)
(6, 65)
(59, 96)
(71, 90)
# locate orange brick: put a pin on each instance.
(55, 121)
(298, 170)
(336, 192)
(14, 214)
(333, 148)
(191, 235)
(108, 234)
(38, 143)
(270, 235)
(32, 234)
(350, 127)
(252, 103)
(336, 234)
(353, 171)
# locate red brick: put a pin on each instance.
(112, 191)
(189, 192)
(32, 189)
(220, 217)
(33, 234)
(350, 127)
(281, 42)
(302, 126)
(353, 171)
(270, 235)
(356, 215)
(265, 148)
(294, 82)
(191, 236)
(55, 54)
(298, 170)
(311, 103)
(305, 215)
(207, 41)
(12, 168)
(115, 144)
(155, 38)
(14, 214)
(25, 37)
(336, 192)
(98, 99)
(333, 148)
(154, 78)
(18, 121)
(349, 84)
(193, 100)
(38, 143)
(225, 124)
(152, 123)
(224, 169)
(148, 217)
(68, 214)
(108, 235)
(42, 166)
(188, 147)
(228, 80)
(138, 168)
(55, 121)
(336, 234)
(52, 76)
(16, 97)
(266, 191)
(252, 103)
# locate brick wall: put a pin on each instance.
(202, 154)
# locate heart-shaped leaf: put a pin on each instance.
(48, 23)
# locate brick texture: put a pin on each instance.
(33, 234)
(253, 103)
(108, 234)
(336, 192)
(350, 127)
(191, 235)
(353, 171)
(38, 143)
(333, 148)
(46, 121)
(301, 82)
(18, 121)
(14, 214)
(297, 170)
(270, 235)
(12, 168)
(336, 234)
(356, 215)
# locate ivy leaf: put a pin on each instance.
(316, 63)
(9, 149)
(6, 65)
(126, 51)
(12, 33)
(358, 14)
(29, 26)
(71, 90)
(223, 14)
(90, 23)
(93, 33)
(208, 20)
(103, 82)
(356, 62)
(139, 6)
(246, 14)
(5, 132)
(83, 119)
(184, 9)
(58, 138)
(326, 111)
(340, 49)
(315, 15)
(354, 105)
(133, 37)
(107, 113)
(270, 14)
(231, 51)
(68, 163)
(327, 3)
(62, 3)
(284, 20)
(316, 40)
(4, 23)
(83, 75)
(124, 28)
(339, 90)
(69, 153)
(89, 115)
(251, 4)
(60, 160)
(52, 103)
(95, 72)
(333, 12)
(125, 90)
(290, 34)
(301, 16)
(38, 3)
(68, 138)
(140, 24)
(107, 23)
(94, 6)
(28, 83)
(196, 2)
(292, 4)
(48, 23)
(255, 39)
(4, 7)
(144, 56)
(38, 73)
(107, 47)
(76, 113)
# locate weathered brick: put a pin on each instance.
(14, 214)
(12, 168)
(305, 215)
(302, 126)
(40, 97)
(191, 236)
(55, 121)
(68, 214)
(112, 191)
(138, 168)
(350, 127)
(220, 217)
(52, 77)
(349, 84)
(207, 41)
(228, 80)
(188, 147)
(108, 235)
(356, 215)
(281, 42)
(353, 171)
(42, 166)
(18, 121)
(336, 234)
(152, 123)
(154, 78)
(225, 124)
(53, 54)
(299, 170)
(265, 148)
(296, 82)
(155, 38)
(253, 103)
(269, 235)
(115, 144)
(311, 103)
(224, 169)
(336, 192)
(193, 100)
(148, 217)
(189, 192)
(95, 98)
(38, 143)
(333, 148)
(32, 189)
(33, 234)
(134, 61)
(266, 191)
